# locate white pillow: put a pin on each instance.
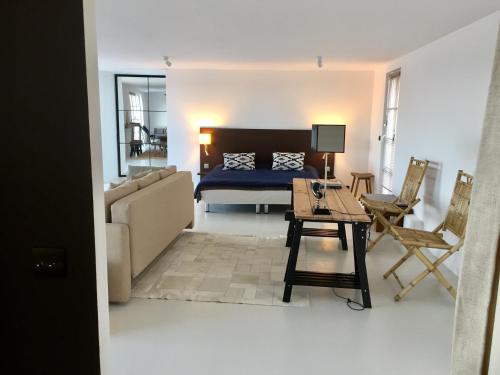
(241, 161)
(288, 161)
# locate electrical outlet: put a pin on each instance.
(206, 166)
(49, 263)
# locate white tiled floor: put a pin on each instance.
(175, 337)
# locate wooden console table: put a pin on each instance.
(344, 209)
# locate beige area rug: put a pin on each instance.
(223, 268)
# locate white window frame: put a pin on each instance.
(136, 113)
(389, 140)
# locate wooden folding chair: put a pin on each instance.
(414, 240)
(403, 204)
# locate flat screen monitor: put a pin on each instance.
(328, 138)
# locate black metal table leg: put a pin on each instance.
(356, 271)
(291, 223)
(292, 260)
(359, 240)
(342, 236)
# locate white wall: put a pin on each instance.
(268, 99)
(108, 125)
(444, 87)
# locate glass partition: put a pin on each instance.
(141, 117)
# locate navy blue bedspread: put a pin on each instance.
(258, 179)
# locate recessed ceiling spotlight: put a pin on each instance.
(319, 61)
(168, 63)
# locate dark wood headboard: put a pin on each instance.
(261, 141)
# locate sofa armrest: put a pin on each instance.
(155, 216)
(119, 272)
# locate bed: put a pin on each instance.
(261, 186)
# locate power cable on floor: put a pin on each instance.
(349, 302)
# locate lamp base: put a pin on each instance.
(325, 157)
(321, 211)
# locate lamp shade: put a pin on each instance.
(205, 139)
(328, 138)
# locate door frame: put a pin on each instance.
(90, 35)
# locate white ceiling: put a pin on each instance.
(135, 34)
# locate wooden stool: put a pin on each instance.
(357, 176)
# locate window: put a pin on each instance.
(136, 115)
(388, 137)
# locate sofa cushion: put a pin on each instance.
(170, 170)
(149, 179)
(140, 174)
(117, 182)
(112, 195)
(135, 169)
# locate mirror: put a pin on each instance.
(141, 121)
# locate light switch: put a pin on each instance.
(206, 166)
(49, 263)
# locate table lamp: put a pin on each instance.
(328, 139)
(205, 139)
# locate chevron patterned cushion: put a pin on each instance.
(288, 161)
(242, 161)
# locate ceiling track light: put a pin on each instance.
(319, 61)
(168, 63)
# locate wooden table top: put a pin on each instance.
(344, 207)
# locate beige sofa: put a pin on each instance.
(143, 216)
